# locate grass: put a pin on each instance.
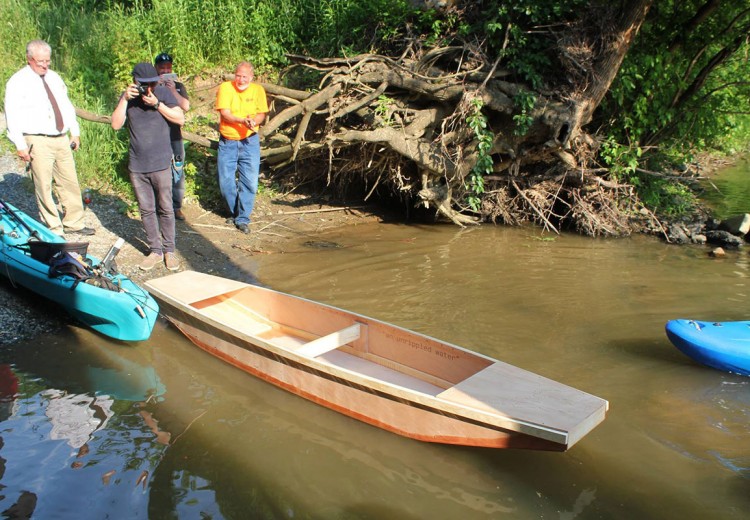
(95, 45)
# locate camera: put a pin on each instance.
(142, 88)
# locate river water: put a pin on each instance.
(93, 428)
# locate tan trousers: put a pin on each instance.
(53, 168)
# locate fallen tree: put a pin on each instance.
(459, 129)
(449, 128)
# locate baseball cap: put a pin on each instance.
(145, 73)
(162, 58)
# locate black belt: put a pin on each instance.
(222, 138)
(45, 135)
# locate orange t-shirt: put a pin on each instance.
(241, 103)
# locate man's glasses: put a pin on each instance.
(41, 62)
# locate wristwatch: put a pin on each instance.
(156, 106)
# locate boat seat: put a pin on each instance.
(330, 342)
(44, 251)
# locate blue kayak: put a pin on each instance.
(105, 300)
(723, 345)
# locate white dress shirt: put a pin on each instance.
(28, 109)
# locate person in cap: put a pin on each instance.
(149, 107)
(163, 65)
(42, 125)
(242, 108)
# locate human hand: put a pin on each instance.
(132, 91)
(150, 99)
(24, 155)
(75, 143)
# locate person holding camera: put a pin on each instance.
(40, 117)
(149, 107)
(242, 108)
(163, 65)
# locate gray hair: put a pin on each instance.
(36, 45)
(244, 64)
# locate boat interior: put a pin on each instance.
(345, 340)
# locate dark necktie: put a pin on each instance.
(55, 108)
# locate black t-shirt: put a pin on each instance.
(150, 140)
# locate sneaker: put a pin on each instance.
(87, 231)
(171, 261)
(229, 221)
(179, 215)
(151, 261)
(244, 228)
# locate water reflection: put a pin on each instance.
(75, 438)
(728, 193)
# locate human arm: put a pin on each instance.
(182, 100)
(172, 114)
(14, 117)
(254, 121)
(120, 114)
(227, 116)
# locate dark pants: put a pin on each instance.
(154, 193)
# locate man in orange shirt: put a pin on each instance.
(242, 108)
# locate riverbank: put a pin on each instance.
(204, 241)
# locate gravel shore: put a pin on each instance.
(21, 316)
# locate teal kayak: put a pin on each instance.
(724, 345)
(107, 301)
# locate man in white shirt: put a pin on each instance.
(40, 117)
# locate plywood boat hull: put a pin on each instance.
(386, 376)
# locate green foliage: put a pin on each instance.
(524, 102)
(678, 85)
(668, 197)
(335, 27)
(477, 121)
(665, 196)
(383, 110)
(622, 160)
(530, 51)
(17, 27)
(678, 90)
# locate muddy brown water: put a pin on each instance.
(162, 430)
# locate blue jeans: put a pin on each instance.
(178, 188)
(243, 158)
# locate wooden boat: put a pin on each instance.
(108, 302)
(389, 377)
(724, 345)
